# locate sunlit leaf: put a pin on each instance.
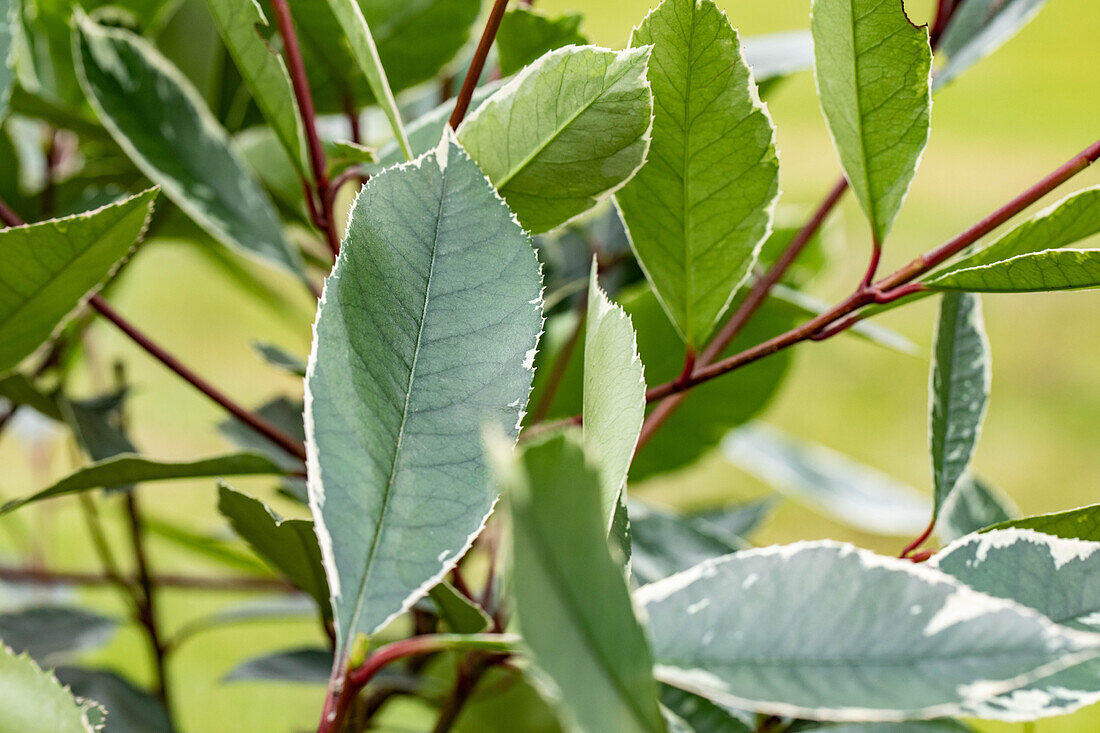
(977, 29)
(526, 33)
(462, 615)
(972, 506)
(33, 700)
(1082, 523)
(1056, 269)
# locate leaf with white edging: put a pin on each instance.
(33, 700)
(977, 29)
(973, 505)
(1037, 272)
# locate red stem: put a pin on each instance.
(920, 540)
(39, 576)
(477, 65)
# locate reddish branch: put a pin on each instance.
(477, 65)
(38, 576)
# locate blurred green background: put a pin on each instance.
(1006, 123)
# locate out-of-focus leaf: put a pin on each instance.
(439, 285)
(46, 269)
(943, 725)
(832, 483)
(775, 55)
(308, 666)
(504, 704)
(9, 10)
(972, 506)
(158, 118)
(855, 630)
(126, 469)
(282, 412)
(1055, 269)
(279, 357)
(526, 33)
(98, 423)
(552, 164)
(46, 632)
(699, 211)
(1082, 523)
(129, 709)
(663, 544)
(808, 305)
(204, 545)
(290, 606)
(977, 29)
(462, 615)
(873, 78)
(702, 715)
(20, 391)
(33, 700)
(571, 597)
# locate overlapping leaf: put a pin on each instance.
(31, 699)
(1055, 269)
(1082, 523)
(129, 709)
(977, 29)
(972, 506)
(526, 33)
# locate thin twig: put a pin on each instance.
(477, 65)
(38, 576)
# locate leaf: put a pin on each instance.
(1070, 220)
(204, 545)
(358, 37)
(1082, 523)
(702, 715)
(278, 357)
(289, 545)
(972, 506)
(570, 596)
(830, 482)
(9, 10)
(614, 393)
(129, 469)
(526, 33)
(47, 632)
(977, 29)
(873, 78)
(1055, 269)
(839, 633)
(99, 425)
(282, 412)
(31, 700)
(700, 211)
(308, 666)
(462, 615)
(244, 28)
(47, 269)
(663, 544)
(288, 606)
(1057, 577)
(775, 55)
(427, 330)
(553, 163)
(342, 154)
(159, 119)
(943, 725)
(129, 709)
(17, 389)
(961, 375)
(807, 305)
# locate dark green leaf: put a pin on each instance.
(702, 715)
(129, 709)
(282, 412)
(46, 632)
(663, 544)
(972, 506)
(1082, 523)
(462, 615)
(526, 33)
(977, 29)
(20, 391)
(308, 666)
(276, 356)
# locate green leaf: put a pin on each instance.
(873, 69)
(9, 10)
(129, 709)
(282, 412)
(33, 700)
(427, 330)
(343, 154)
(159, 119)
(47, 632)
(839, 633)
(278, 357)
(702, 715)
(99, 425)
(663, 544)
(943, 725)
(977, 29)
(699, 212)
(614, 393)
(527, 33)
(972, 506)
(130, 469)
(307, 665)
(1055, 269)
(1070, 220)
(200, 544)
(571, 597)
(20, 391)
(289, 545)
(553, 163)
(462, 615)
(1058, 578)
(47, 269)
(1082, 523)
(831, 483)
(358, 37)
(959, 391)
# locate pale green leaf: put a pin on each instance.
(128, 469)
(1082, 523)
(663, 544)
(977, 29)
(215, 547)
(973, 505)
(554, 162)
(1059, 579)
(526, 33)
(1055, 269)
(614, 393)
(427, 330)
(47, 269)
(775, 55)
(571, 598)
(462, 615)
(241, 23)
(958, 391)
(828, 631)
(699, 211)
(47, 632)
(33, 700)
(159, 119)
(875, 333)
(873, 68)
(129, 709)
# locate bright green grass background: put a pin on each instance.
(1010, 120)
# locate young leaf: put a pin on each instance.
(47, 632)
(462, 615)
(873, 69)
(551, 163)
(699, 212)
(834, 484)
(1081, 524)
(129, 709)
(855, 632)
(614, 393)
(571, 597)
(526, 33)
(977, 29)
(1058, 578)
(972, 506)
(128, 469)
(33, 700)
(1055, 269)
(46, 269)
(290, 545)
(162, 123)
(961, 374)
(239, 23)
(357, 33)
(427, 330)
